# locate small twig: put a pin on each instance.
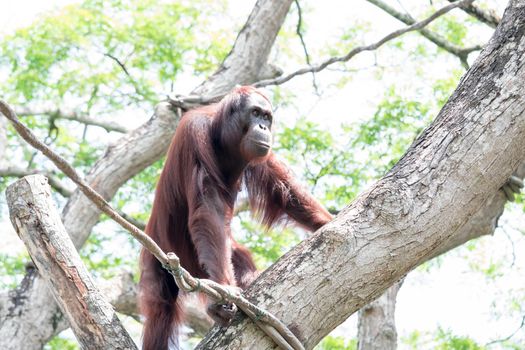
(119, 63)
(187, 102)
(488, 17)
(140, 224)
(123, 67)
(303, 43)
(170, 261)
(510, 336)
(359, 49)
(53, 180)
(70, 115)
(509, 238)
(438, 40)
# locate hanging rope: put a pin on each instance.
(268, 323)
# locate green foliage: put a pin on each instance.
(491, 270)
(109, 53)
(86, 154)
(104, 58)
(312, 148)
(337, 343)
(135, 197)
(391, 130)
(440, 340)
(372, 147)
(60, 343)
(452, 29)
(446, 340)
(12, 268)
(350, 36)
(266, 245)
(103, 260)
(307, 138)
(412, 340)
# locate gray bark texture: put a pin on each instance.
(377, 323)
(3, 140)
(37, 222)
(447, 175)
(29, 317)
(376, 328)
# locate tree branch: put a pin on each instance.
(249, 55)
(451, 170)
(125, 70)
(3, 142)
(376, 325)
(483, 223)
(119, 63)
(357, 50)
(488, 17)
(300, 35)
(438, 40)
(60, 187)
(37, 222)
(122, 292)
(71, 115)
(53, 179)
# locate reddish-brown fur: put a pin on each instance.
(193, 208)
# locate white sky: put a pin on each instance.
(450, 296)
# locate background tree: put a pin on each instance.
(85, 74)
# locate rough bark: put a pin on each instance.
(37, 222)
(484, 222)
(122, 291)
(463, 158)
(376, 328)
(39, 319)
(3, 142)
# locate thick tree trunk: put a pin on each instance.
(29, 309)
(376, 328)
(378, 322)
(38, 224)
(452, 169)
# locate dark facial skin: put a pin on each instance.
(257, 140)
